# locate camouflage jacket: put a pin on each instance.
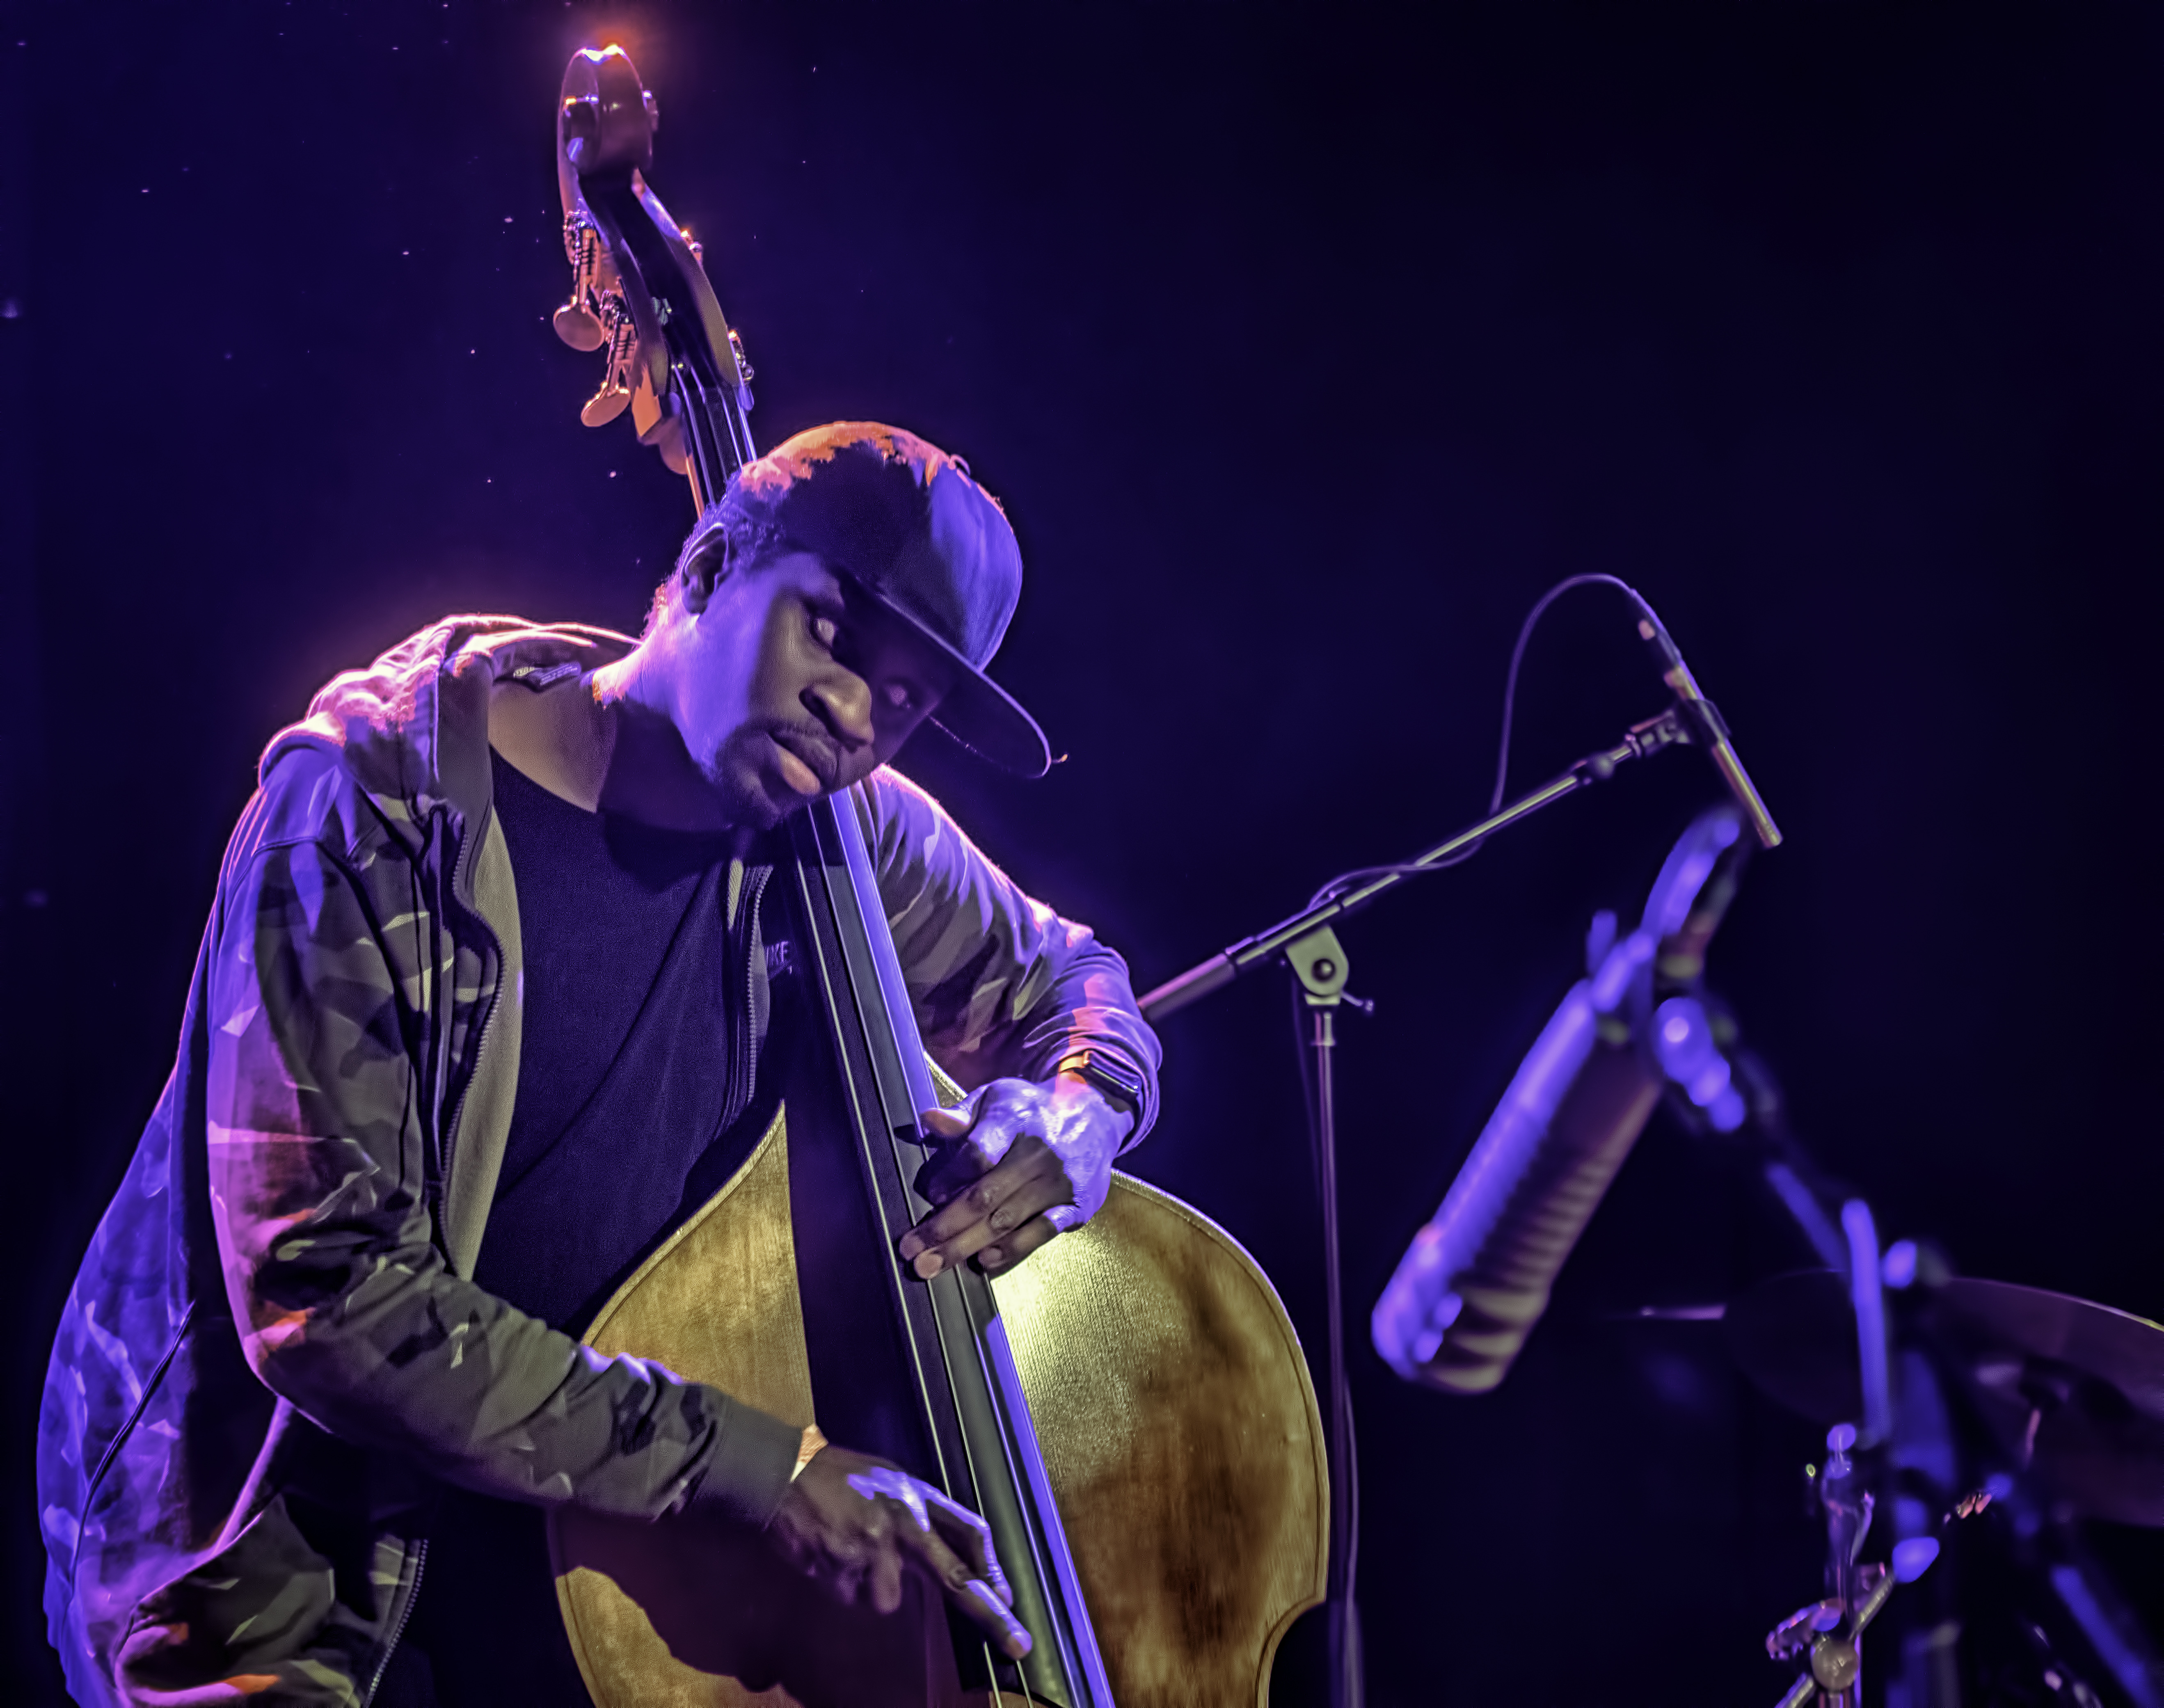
(273, 1350)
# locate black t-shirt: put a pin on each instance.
(634, 1060)
(629, 1055)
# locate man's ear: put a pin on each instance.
(702, 574)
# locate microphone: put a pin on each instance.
(1477, 1277)
(1707, 726)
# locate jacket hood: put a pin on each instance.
(411, 729)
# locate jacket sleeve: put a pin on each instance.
(316, 1131)
(1001, 984)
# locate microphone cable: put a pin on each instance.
(1361, 874)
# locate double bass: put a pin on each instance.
(1129, 1410)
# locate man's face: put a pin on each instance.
(793, 682)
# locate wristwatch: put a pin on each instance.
(1119, 1083)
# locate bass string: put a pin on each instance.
(713, 424)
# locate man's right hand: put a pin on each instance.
(855, 1524)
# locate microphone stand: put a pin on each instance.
(1307, 943)
(1640, 741)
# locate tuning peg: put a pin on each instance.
(615, 394)
(604, 407)
(575, 322)
(578, 328)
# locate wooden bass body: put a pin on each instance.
(1176, 1418)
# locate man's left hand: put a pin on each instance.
(1015, 1163)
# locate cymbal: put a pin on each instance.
(2073, 1389)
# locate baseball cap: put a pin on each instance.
(911, 526)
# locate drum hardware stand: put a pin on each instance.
(1836, 1652)
(1831, 1631)
(1906, 1429)
(1308, 945)
(1859, 1590)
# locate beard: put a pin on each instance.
(750, 792)
(741, 793)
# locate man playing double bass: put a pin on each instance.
(487, 1006)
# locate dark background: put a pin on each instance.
(1307, 345)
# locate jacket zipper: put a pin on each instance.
(398, 1625)
(740, 1039)
(447, 1128)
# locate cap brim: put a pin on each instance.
(980, 714)
(984, 717)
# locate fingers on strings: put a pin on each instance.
(924, 1524)
(998, 1219)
